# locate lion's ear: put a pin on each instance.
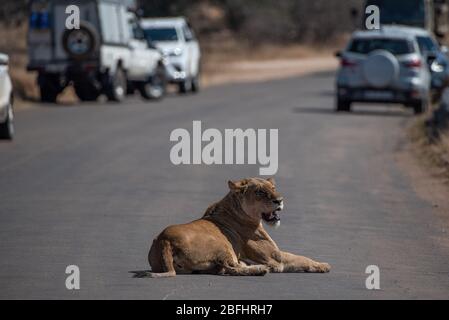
(233, 186)
(272, 181)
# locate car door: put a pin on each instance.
(143, 59)
(192, 49)
(5, 86)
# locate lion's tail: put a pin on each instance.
(160, 258)
(169, 274)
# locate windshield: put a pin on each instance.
(426, 44)
(407, 12)
(161, 34)
(394, 46)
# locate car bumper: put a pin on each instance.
(66, 66)
(380, 95)
(175, 73)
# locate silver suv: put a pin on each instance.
(384, 66)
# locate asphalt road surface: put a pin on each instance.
(91, 185)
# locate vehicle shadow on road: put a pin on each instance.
(356, 112)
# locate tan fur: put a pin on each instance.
(229, 239)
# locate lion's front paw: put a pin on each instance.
(261, 270)
(323, 267)
(319, 268)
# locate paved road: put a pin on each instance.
(91, 185)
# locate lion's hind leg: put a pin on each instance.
(243, 270)
(161, 260)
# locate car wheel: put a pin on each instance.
(48, 94)
(116, 90)
(196, 83)
(185, 86)
(436, 96)
(343, 105)
(419, 107)
(156, 87)
(86, 91)
(7, 127)
(49, 87)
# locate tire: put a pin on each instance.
(7, 127)
(185, 86)
(437, 96)
(82, 43)
(343, 105)
(419, 107)
(117, 87)
(49, 87)
(48, 94)
(156, 87)
(196, 84)
(130, 88)
(86, 91)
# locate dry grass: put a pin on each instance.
(224, 48)
(433, 152)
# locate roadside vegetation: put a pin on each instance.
(429, 135)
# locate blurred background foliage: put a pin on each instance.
(257, 21)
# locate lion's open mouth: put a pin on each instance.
(272, 217)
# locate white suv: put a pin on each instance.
(178, 43)
(108, 54)
(6, 100)
(386, 66)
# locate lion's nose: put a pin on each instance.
(278, 201)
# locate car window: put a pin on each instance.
(110, 15)
(395, 46)
(426, 44)
(188, 34)
(161, 34)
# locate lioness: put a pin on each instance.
(230, 238)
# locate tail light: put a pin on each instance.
(345, 62)
(415, 63)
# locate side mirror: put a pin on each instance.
(4, 59)
(139, 13)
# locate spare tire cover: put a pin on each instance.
(81, 43)
(380, 69)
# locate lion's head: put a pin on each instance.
(259, 199)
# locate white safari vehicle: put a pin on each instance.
(106, 55)
(6, 100)
(177, 41)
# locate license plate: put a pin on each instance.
(378, 95)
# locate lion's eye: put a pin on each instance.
(261, 193)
